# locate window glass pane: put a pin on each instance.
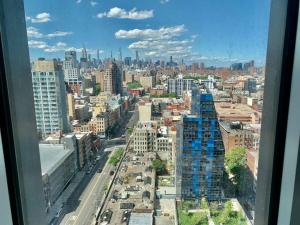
(148, 110)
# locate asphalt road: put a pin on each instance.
(90, 199)
(82, 205)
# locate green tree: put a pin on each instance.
(116, 157)
(235, 164)
(133, 85)
(97, 89)
(158, 165)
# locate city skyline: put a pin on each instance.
(220, 36)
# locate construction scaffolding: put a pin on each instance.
(200, 151)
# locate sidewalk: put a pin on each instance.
(65, 196)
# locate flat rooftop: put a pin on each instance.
(51, 156)
(141, 219)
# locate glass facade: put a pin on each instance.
(200, 151)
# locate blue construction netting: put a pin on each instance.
(205, 140)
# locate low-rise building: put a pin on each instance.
(84, 147)
(144, 137)
(230, 112)
(145, 111)
(58, 168)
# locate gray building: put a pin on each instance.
(58, 168)
(178, 85)
(49, 97)
(250, 85)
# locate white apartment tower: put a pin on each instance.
(49, 97)
(179, 85)
(71, 68)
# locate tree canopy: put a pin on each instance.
(236, 165)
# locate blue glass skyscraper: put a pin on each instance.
(200, 151)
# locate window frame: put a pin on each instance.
(17, 122)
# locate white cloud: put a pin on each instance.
(58, 47)
(78, 1)
(37, 44)
(40, 18)
(33, 32)
(58, 34)
(162, 33)
(160, 43)
(133, 14)
(93, 3)
(164, 1)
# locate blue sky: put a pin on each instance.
(217, 32)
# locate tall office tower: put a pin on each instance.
(250, 85)
(84, 53)
(200, 151)
(236, 66)
(127, 61)
(112, 78)
(137, 56)
(171, 60)
(72, 72)
(84, 59)
(120, 55)
(98, 56)
(49, 97)
(177, 86)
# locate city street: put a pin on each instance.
(90, 199)
(81, 207)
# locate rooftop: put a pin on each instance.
(141, 219)
(51, 156)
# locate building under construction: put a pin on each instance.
(200, 151)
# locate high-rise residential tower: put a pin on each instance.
(49, 97)
(180, 84)
(200, 151)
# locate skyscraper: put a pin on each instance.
(49, 97)
(72, 72)
(84, 59)
(200, 151)
(127, 61)
(112, 78)
(250, 85)
(84, 53)
(137, 56)
(98, 55)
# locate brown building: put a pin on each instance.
(233, 135)
(112, 80)
(99, 75)
(231, 112)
